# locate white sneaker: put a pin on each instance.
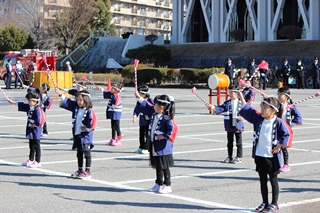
(236, 160)
(144, 151)
(44, 135)
(35, 164)
(155, 188)
(165, 189)
(138, 150)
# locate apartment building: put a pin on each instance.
(138, 16)
(25, 13)
(142, 17)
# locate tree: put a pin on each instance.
(126, 35)
(32, 20)
(151, 38)
(73, 25)
(12, 38)
(150, 54)
(103, 17)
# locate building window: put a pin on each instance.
(1, 11)
(18, 10)
(1, 0)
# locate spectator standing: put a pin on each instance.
(285, 72)
(229, 70)
(9, 74)
(263, 77)
(251, 69)
(68, 67)
(300, 74)
(19, 69)
(315, 73)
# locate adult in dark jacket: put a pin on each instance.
(251, 69)
(315, 73)
(300, 74)
(286, 68)
(229, 70)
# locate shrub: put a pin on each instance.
(147, 75)
(190, 75)
(99, 77)
(128, 71)
(239, 34)
(290, 32)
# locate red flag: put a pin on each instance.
(263, 65)
(136, 62)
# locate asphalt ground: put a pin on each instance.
(121, 178)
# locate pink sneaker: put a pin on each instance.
(27, 163)
(285, 168)
(117, 143)
(35, 164)
(111, 142)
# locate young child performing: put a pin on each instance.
(271, 133)
(35, 121)
(247, 92)
(232, 123)
(114, 112)
(46, 104)
(83, 124)
(291, 116)
(162, 133)
(143, 119)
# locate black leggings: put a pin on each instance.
(264, 187)
(285, 155)
(115, 128)
(143, 136)
(81, 153)
(238, 144)
(87, 156)
(35, 150)
(163, 174)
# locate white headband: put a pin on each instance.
(33, 99)
(143, 92)
(116, 88)
(87, 94)
(163, 101)
(272, 106)
(79, 85)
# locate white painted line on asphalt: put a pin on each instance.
(122, 185)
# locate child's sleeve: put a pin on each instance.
(249, 113)
(23, 107)
(285, 134)
(136, 110)
(220, 109)
(107, 95)
(67, 103)
(297, 118)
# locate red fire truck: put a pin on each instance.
(31, 59)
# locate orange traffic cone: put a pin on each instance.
(109, 85)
